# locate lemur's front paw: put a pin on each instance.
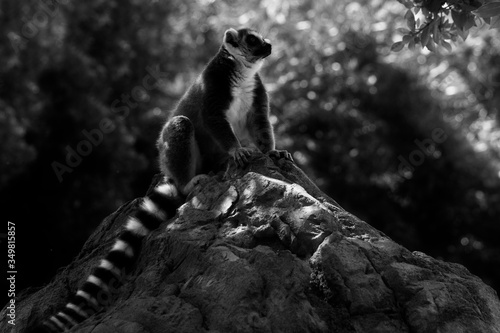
(278, 154)
(240, 155)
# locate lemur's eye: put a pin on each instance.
(251, 40)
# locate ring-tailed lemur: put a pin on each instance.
(223, 115)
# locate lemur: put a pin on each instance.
(222, 116)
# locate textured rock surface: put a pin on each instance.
(263, 250)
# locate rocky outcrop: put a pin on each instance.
(264, 250)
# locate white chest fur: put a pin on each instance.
(239, 110)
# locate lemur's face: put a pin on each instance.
(247, 44)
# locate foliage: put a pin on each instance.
(348, 108)
(434, 23)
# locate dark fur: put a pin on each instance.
(210, 138)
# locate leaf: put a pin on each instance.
(446, 45)
(455, 16)
(472, 6)
(407, 38)
(446, 34)
(410, 20)
(411, 45)
(463, 33)
(460, 18)
(470, 22)
(424, 37)
(488, 10)
(398, 46)
(436, 33)
(495, 22)
(407, 3)
(403, 31)
(430, 45)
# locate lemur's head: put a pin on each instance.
(246, 45)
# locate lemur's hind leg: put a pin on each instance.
(179, 153)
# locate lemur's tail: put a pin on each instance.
(100, 286)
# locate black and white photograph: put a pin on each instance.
(250, 166)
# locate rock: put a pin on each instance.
(264, 250)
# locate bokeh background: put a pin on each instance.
(359, 119)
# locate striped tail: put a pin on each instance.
(97, 292)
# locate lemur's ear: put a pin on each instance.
(231, 37)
